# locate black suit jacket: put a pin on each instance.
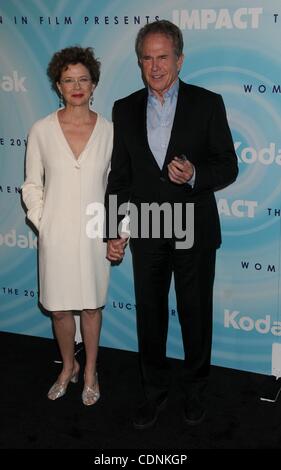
(200, 131)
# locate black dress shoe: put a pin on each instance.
(194, 412)
(148, 412)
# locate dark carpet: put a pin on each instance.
(236, 418)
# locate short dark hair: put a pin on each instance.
(165, 27)
(72, 56)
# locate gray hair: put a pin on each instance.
(165, 27)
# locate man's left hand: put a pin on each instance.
(180, 172)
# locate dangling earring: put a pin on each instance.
(61, 101)
(91, 99)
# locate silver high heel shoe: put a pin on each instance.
(58, 390)
(90, 395)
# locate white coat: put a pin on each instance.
(59, 192)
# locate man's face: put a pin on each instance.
(159, 63)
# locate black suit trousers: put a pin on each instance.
(154, 262)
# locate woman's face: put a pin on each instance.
(76, 85)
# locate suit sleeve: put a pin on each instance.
(33, 187)
(119, 179)
(219, 167)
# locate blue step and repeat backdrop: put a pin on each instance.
(232, 48)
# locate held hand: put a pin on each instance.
(116, 249)
(180, 172)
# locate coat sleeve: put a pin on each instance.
(119, 179)
(33, 187)
(219, 168)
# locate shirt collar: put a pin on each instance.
(171, 93)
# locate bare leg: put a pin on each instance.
(64, 326)
(90, 327)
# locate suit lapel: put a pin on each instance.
(178, 128)
(141, 116)
(142, 127)
(178, 124)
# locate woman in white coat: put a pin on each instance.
(67, 162)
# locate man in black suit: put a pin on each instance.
(172, 145)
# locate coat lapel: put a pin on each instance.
(178, 128)
(141, 116)
(178, 125)
(142, 127)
